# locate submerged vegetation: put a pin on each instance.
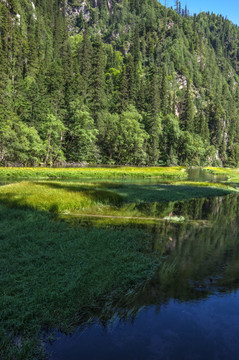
(59, 271)
(57, 275)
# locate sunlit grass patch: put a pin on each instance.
(232, 175)
(99, 198)
(57, 197)
(78, 173)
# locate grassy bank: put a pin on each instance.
(100, 173)
(103, 198)
(53, 275)
(232, 175)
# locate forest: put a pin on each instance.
(118, 82)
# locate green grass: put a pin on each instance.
(104, 199)
(53, 275)
(232, 175)
(99, 173)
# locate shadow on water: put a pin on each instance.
(142, 195)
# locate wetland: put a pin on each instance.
(133, 268)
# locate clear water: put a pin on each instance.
(190, 310)
(178, 330)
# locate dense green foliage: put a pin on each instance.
(118, 82)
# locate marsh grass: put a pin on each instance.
(53, 275)
(232, 175)
(125, 200)
(99, 173)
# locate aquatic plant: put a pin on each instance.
(175, 218)
(56, 274)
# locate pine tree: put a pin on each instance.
(164, 90)
(123, 94)
(154, 119)
(98, 97)
(188, 113)
(131, 78)
(85, 63)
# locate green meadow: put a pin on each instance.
(102, 198)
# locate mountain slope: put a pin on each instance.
(117, 81)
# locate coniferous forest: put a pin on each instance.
(117, 82)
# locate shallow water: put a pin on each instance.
(198, 174)
(190, 310)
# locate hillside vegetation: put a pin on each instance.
(117, 82)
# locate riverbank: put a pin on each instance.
(232, 175)
(99, 173)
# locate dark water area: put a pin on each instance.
(189, 310)
(188, 330)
